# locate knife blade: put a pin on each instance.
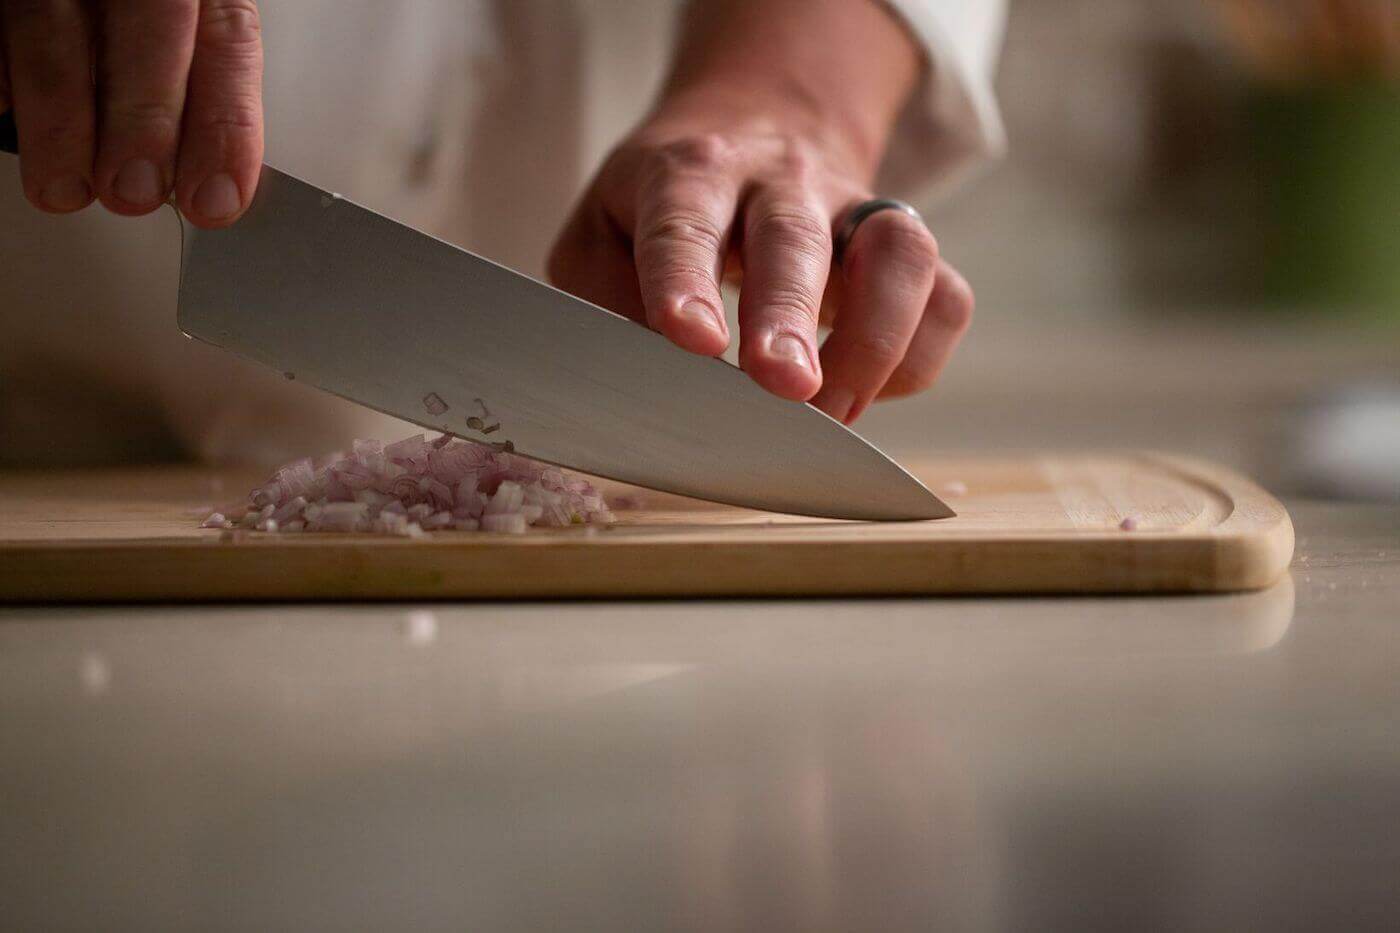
(351, 302)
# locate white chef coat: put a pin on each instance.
(476, 120)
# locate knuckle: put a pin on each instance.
(674, 270)
(797, 159)
(234, 117)
(678, 269)
(894, 236)
(799, 231)
(791, 303)
(700, 151)
(877, 348)
(229, 24)
(150, 116)
(684, 227)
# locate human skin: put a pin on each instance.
(772, 124)
(129, 101)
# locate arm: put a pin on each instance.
(839, 71)
(773, 122)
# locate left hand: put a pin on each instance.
(700, 191)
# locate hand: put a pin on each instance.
(127, 100)
(677, 204)
(743, 170)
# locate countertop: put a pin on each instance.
(1185, 763)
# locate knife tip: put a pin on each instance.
(921, 504)
(900, 498)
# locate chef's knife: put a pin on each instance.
(344, 299)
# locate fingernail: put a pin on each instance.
(218, 197)
(836, 402)
(788, 347)
(138, 183)
(699, 311)
(66, 194)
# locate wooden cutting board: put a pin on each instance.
(1026, 524)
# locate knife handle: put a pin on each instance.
(9, 138)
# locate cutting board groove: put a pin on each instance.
(1044, 523)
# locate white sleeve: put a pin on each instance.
(952, 123)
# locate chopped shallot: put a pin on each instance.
(414, 486)
(1128, 524)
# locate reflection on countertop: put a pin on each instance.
(1204, 762)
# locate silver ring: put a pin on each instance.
(857, 215)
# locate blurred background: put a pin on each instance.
(1192, 245)
(1193, 242)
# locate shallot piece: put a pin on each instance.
(434, 403)
(1128, 524)
(414, 486)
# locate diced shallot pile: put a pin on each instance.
(414, 486)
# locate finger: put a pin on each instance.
(221, 141)
(49, 49)
(684, 210)
(888, 271)
(593, 261)
(787, 257)
(142, 66)
(945, 320)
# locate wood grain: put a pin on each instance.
(1039, 523)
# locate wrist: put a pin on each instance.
(729, 104)
(832, 72)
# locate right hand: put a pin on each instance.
(129, 100)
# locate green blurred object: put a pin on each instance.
(1328, 158)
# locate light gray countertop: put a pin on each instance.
(1203, 762)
